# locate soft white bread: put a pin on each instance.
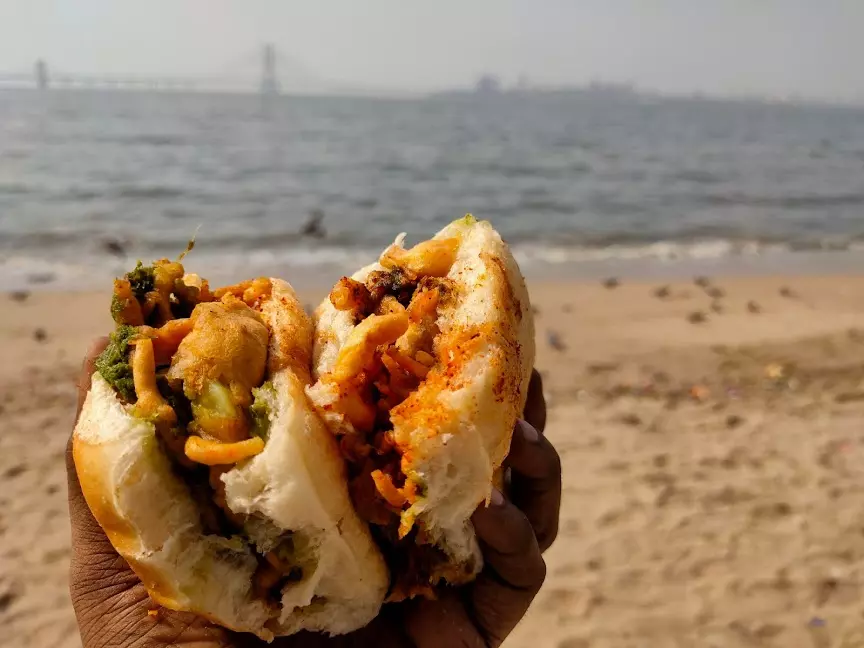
(298, 483)
(295, 485)
(457, 426)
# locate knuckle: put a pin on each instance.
(553, 460)
(521, 538)
(539, 576)
(546, 537)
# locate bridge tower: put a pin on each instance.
(269, 81)
(41, 70)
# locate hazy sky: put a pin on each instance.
(808, 47)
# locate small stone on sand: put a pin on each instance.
(662, 292)
(555, 341)
(702, 282)
(611, 282)
(19, 295)
(699, 392)
(40, 334)
(697, 317)
(631, 419)
(41, 277)
(14, 471)
(6, 599)
(849, 397)
(602, 367)
(733, 421)
(754, 308)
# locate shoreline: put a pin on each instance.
(768, 264)
(306, 278)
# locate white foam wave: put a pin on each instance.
(660, 250)
(315, 265)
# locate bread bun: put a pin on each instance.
(295, 488)
(453, 432)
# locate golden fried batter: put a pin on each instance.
(228, 344)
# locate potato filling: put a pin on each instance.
(195, 357)
(386, 357)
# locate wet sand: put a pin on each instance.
(712, 439)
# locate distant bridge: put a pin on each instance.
(104, 81)
(267, 80)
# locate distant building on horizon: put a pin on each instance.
(41, 70)
(488, 84)
(612, 89)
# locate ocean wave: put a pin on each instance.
(89, 194)
(697, 176)
(14, 189)
(658, 250)
(312, 264)
(147, 191)
(78, 194)
(695, 241)
(155, 140)
(545, 205)
(782, 202)
(90, 271)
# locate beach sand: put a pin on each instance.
(713, 486)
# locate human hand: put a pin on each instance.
(114, 610)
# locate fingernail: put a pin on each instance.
(529, 433)
(497, 498)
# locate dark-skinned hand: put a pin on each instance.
(112, 605)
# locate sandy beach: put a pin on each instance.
(711, 433)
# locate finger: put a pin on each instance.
(385, 631)
(513, 572)
(87, 369)
(535, 481)
(535, 405)
(444, 622)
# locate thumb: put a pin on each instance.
(92, 553)
(85, 529)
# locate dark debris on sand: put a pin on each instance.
(697, 317)
(555, 340)
(611, 282)
(733, 421)
(41, 278)
(631, 419)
